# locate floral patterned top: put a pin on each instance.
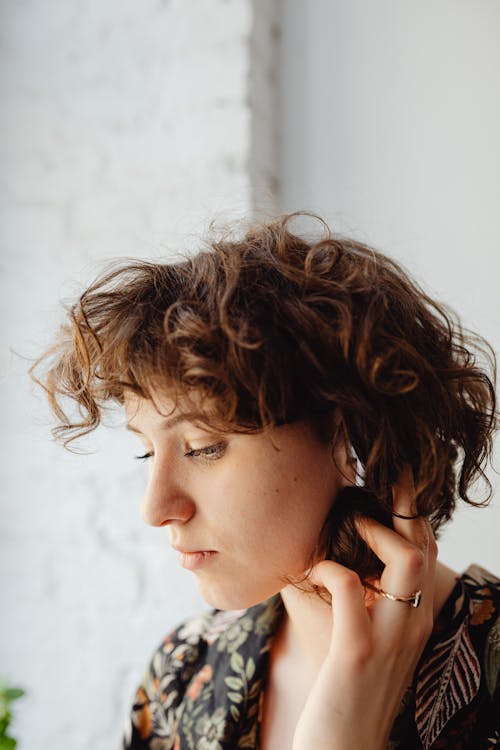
(204, 687)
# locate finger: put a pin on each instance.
(404, 504)
(350, 618)
(408, 568)
(394, 549)
(404, 492)
(416, 530)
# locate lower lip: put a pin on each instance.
(195, 560)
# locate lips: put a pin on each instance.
(193, 551)
(196, 559)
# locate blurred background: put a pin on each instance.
(125, 128)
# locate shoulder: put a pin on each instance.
(483, 592)
(477, 574)
(457, 684)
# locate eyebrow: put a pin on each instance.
(169, 422)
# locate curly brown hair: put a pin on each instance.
(270, 327)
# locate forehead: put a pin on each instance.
(164, 407)
(137, 405)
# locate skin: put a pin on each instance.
(239, 494)
(236, 494)
(385, 638)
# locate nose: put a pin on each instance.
(166, 498)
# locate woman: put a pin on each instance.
(310, 417)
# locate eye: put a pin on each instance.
(144, 457)
(210, 452)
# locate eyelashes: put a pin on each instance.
(209, 453)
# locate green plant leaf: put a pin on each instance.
(4, 723)
(12, 694)
(7, 743)
(7, 695)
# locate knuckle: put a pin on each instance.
(414, 560)
(349, 580)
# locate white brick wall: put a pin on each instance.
(124, 128)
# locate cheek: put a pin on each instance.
(273, 508)
(285, 517)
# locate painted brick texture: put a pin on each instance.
(125, 127)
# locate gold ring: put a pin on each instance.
(412, 599)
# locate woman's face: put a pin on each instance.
(258, 502)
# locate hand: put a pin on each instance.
(374, 647)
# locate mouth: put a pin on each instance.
(192, 559)
(196, 559)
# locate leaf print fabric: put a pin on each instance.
(449, 680)
(492, 658)
(204, 687)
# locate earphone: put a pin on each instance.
(360, 474)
